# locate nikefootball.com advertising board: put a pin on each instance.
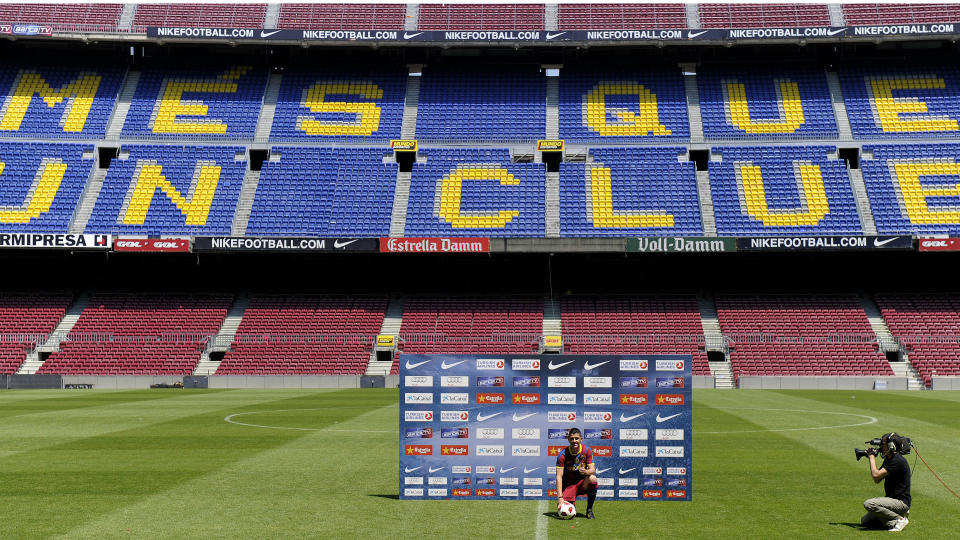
(491, 427)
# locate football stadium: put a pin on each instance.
(321, 270)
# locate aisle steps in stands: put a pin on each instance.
(693, 15)
(863, 203)
(88, 200)
(906, 369)
(706, 204)
(550, 19)
(689, 71)
(392, 320)
(115, 125)
(411, 103)
(224, 337)
(272, 15)
(245, 203)
(552, 324)
(553, 107)
(875, 316)
(127, 14)
(552, 217)
(722, 375)
(398, 219)
(839, 107)
(412, 17)
(710, 323)
(33, 363)
(836, 15)
(269, 108)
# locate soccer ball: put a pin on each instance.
(566, 510)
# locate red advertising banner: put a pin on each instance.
(434, 245)
(939, 244)
(170, 245)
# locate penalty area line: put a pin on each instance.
(541, 530)
(230, 419)
(870, 420)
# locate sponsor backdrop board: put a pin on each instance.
(490, 427)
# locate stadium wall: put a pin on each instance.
(945, 383)
(774, 382)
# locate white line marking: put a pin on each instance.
(872, 420)
(229, 418)
(541, 532)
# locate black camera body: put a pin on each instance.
(897, 443)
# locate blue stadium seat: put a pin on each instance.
(475, 193)
(221, 102)
(921, 100)
(913, 187)
(170, 190)
(340, 105)
(781, 191)
(621, 105)
(765, 103)
(324, 192)
(647, 192)
(47, 205)
(55, 101)
(482, 104)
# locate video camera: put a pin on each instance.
(897, 443)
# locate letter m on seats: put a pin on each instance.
(149, 178)
(76, 98)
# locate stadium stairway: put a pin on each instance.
(906, 369)
(411, 103)
(722, 371)
(839, 107)
(722, 375)
(836, 15)
(271, 16)
(693, 100)
(127, 14)
(32, 362)
(119, 116)
(248, 192)
(880, 329)
(552, 202)
(412, 18)
(693, 15)
(550, 21)
(552, 324)
(401, 196)
(707, 216)
(88, 200)
(392, 320)
(553, 108)
(863, 203)
(269, 108)
(224, 337)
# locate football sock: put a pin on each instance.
(591, 496)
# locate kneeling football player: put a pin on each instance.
(576, 472)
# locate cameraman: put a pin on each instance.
(890, 511)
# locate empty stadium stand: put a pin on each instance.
(338, 104)
(799, 335)
(620, 16)
(170, 190)
(764, 103)
(928, 327)
(782, 191)
(199, 15)
(471, 325)
(473, 192)
(913, 187)
(634, 324)
(763, 15)
(342, 16)
(221, 102)
(68, 100)
(65, 17)
(630, 192)
(483, 103)
(41, 184)
(296, 334)
(25, 322)
(324, 192)
(481, 17)
(139, 334)
(872, 14)
(620, 105)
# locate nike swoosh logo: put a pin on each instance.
(835, 32)
(558, 34)
(601, 471)
(445, 365)
(432, 470)
(622, 471)
(408, 36)
(521, 417)
(667, 418)
(411, 366)
(268, 34)
(588, 366)
(691, 35)
(528, 471)
(551, 365)
(338, 244)
(629, 418)
(505, 471)
(878, 243)
(482, 417)
(408, 469)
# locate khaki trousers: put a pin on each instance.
(883, 511)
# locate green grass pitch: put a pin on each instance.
(166, 464)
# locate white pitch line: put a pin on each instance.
(872, 420)
(229, 419)
(541, 531)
